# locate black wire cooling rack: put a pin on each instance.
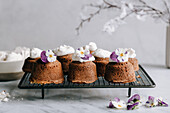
(143, 80)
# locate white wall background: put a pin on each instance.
(50, 23)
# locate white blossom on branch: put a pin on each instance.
(138, 8)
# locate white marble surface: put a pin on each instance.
(83, 100)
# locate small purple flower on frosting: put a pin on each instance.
(48, 56)
(83, 55)
(119, 55)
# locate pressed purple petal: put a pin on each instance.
(86, 57)
(89, 55)
(136, 96)
(129, 107)
(111, 105)
(113, 56)
(151, 98)
(78, 49)
(44, 57)
(116, 99)
(126, 52)
(165, 104)
(162, 103)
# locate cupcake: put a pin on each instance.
(101, 60)
(35, 54)
(64, 55)
(119, 69)
(47, 69)
(132, 59)
(82, 69)
(91, 47)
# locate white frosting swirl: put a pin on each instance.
(14, 57)
(92, 46)
(3, 55)
(64, 50)
(24, 51)
(102, 53)
(35, 53)
(76, 58)
(86, 47)
(131, 53)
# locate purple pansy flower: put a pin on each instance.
(84, 54)
(133, 102)
(119, 55)
(153, 102)
(48, 56)
(117, 103)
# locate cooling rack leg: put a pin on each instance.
(129, 92)
(42, 92)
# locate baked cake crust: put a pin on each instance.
(28, 64)
(122, 72)
(65, 61)
(44, 73)
(82, 72)
(101, 65)
(134, 62)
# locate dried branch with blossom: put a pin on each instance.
(139, 8)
